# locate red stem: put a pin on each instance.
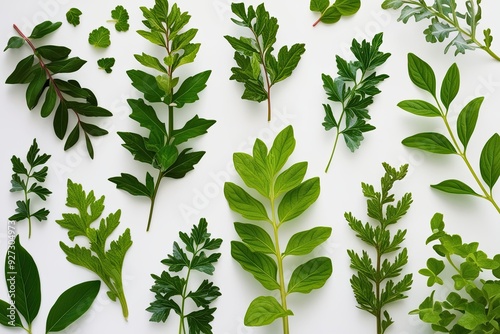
(318, 21)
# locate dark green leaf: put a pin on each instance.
(66, 66)
(264, 311)
(287, 62)
(8, 315)
(44, 29)
(71, 305)
(53, 52)
(311, 275)
(23, 71)
(106, 64)
(243, 45)
(100, 37)
(185, 163)
(330, 121)
(146, 116)
(93, 130)
(455, 187)
(146, 84)
(61, 120)
(303, 243)
(36, 88)
(15, 42)
(120, 15)
(421, 74)
(136, 144)
(431, 142)
(193, 128)
(87, 109)
(72, 138)
(50, 101)
(489, 162)
(73, 16)
(298, 200)
(166, 157)
(450, 85)
(190, 88)
(420, 108)
(131, 184)
(467, 119)
(199, 321)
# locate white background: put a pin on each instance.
(296, 101)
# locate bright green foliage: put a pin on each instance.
(373, 285)
(100, 37)
(331, 13)
(254, 57)
(474, 306)
(173, 292)
(354, 90)
(73, 16)
(286, 196)
(457, 23)
(455, 143)
(161, 146)
(107, 264)
(106, 64)
(39, 71)
(120, 18)
(23, 283)
(22, 180)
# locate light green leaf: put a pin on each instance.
(303, 243)
(318, 5)
(347, 7)
(255, 237)
(120, 15)
(282, 148)
(151, 62)
(243, 203)
(290, 178)
(450, 85)
(474, 316)
(264, 311)
(455, 187)
(252, 173)
(298, 200)
(421, 74)
(420, 108)
(489, 162)
(166, 157)
(431, 142)
(467, 119)
(100, 37)
(311, 275)
(331, 15)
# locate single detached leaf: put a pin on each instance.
(311, 275)
(264, 311)
(431, 142)
(467, 119)
(120, 15)
(450, 85)
(71, 305)
(73, 16)
(106, 64)
(421, 74)
(489, 162)
(455, 187)
(100, 37)
(303, 243)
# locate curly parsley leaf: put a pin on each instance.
(73, 16)
(106, 64)
(120, 17)
(172, 292)
(106, 262)
(100, 37)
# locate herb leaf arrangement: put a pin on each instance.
(455, 143)
(257, 68)
(373, 284)
(22, 180)
(23, 283)
(162, 148)
(447, 21)
(39, 71)
(287, 196)
(473, 306)
(107, 264)
(354, 90)
(172, 293)
(332, 13)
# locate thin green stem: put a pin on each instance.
(153, 198)
(26, 201)
(377, 294)
(182, 328)
(123, 302)
(266, 75)
(337, 135)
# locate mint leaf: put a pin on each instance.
(100, 37)
(120, 17)
(106, 64)
(73, 16)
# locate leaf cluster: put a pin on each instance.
(474, 306)
(354, 89)
(26, 298)
(39, 71)
(447, 22)
(163, 146)
(258, 252)
(374, 285)
(332, 13)
(173, 292)
(22, 180)
(257, 68)
(423, 76)
(105, 262)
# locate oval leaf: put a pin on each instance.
(61, 120)
(8, 315)
(467, 119)
(35, 88)
(298, 200)
(282, 148)
(421, 74)
(261, 266)
(53, 52)
(264, 311)
(348, 7)
(430, 142)
(420, 108)
(72, 138)
(290, 178)
(455, 187)
(243, 203)
(255, 237)
(450, 85)
(50, 101)
(331, 15)
(303, 243)
(311, 275)
(318, 5)
(71, 305)
(489, 163)
(251, 173)
(44, 29)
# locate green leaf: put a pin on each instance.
(420, 108)
(43, 29)
(66, 65)
(421, 74)
(243, 203)
(120, 15)
(73, 16)
(71, 305)
(489, 162)
(185, 163)
(431, 142)
(100, 37)
(106, 64)
(331, 15)
(53, 52)
(72, 138)
(131, 184)
(88, 109)
(193, 128)
(23, 73)
(348, 7)
(36, 88)
(450, 85)
(474, 316)
(151, 62)
(146, 84)
(166, 157)
(243, 45)
(264, 311)
(24, 273)
(136, 144)
(287, 62)
(61, 120)
(298, 200)
(455, 187)
(190, 88)
(255, 237)
(303, 243)
(146, 116)
(282, 148)
(50, 102)
(8, 315)
(15, 42)
(311, 275)
(290, 178)
(467, 119)
(330, 121)
(261, 266)
(318, 5)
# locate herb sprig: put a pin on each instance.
(373, 285)
(473, 306)
(259, 252)
(39, 71)
(22, 180)
(447, 19)
(163, 147)
(354, 90)
(173, 292)
(107, 264)
(423, 76)
(256, 63)
(332, 13)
